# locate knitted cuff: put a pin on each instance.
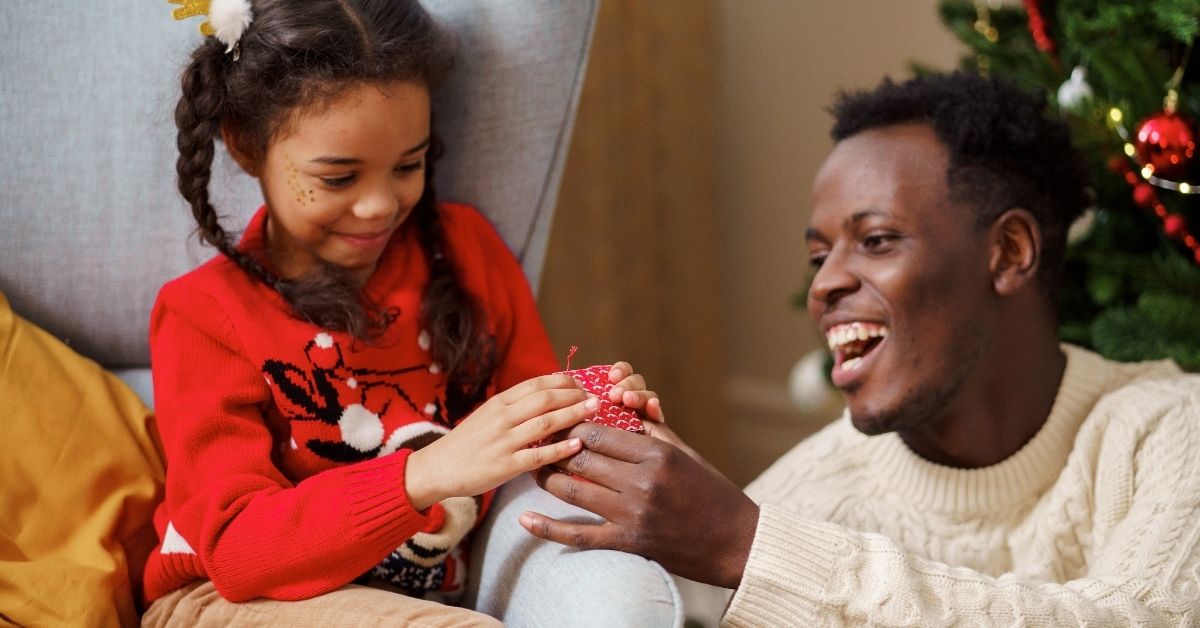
(378, 504)
(792, 563)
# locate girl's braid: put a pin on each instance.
(198, 118)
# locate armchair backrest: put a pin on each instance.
(90, 223)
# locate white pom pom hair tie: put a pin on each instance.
(227, 19)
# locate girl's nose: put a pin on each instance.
(377, 204)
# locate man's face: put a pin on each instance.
(902, 290)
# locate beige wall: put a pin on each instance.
(677, 239)
(633, 250)
(778, 65)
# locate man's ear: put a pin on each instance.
(1016, 249)
(233, 144)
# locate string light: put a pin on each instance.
(1173, 224)
(983, 22)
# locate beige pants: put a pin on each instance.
(352, 605)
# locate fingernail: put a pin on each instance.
(592, 403)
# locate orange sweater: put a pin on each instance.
(286, 445)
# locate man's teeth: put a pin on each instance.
(840, 336)
(851, 364)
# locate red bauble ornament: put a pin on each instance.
(1144, 195)
(1173, 225)
(1166, 142)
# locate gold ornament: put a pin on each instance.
(192, 8)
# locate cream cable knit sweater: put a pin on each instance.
(1096, 521)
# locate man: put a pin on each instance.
(984, 473)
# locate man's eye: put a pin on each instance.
(816, 260)
(338, 182)
(878, 240)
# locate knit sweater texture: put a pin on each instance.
(1095, 521)
(286, 444)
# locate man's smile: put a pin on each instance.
(853, 345)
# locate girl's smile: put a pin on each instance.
(367, 240)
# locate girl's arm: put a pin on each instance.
(247, 527)
(251, 530)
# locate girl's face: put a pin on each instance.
(339, 180)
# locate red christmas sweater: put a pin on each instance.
(286, 445)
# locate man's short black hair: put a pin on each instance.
(1005, 151)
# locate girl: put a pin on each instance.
(319, 384)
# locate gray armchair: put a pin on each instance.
(91, 225)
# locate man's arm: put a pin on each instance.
(658, 501)
(801, 571)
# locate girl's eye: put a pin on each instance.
(816, 260)
(411, 167)
(338, 182)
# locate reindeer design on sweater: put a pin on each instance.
(372, 415)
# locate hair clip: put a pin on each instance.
(227, 19)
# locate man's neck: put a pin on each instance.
(1002, 409)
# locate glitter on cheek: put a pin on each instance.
(293, 178)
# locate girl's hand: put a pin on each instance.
(491, 445)
(629, 388)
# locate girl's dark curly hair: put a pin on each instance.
(303, 55)
(1005, 151)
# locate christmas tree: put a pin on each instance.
(1118, 72)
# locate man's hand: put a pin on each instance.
(658, 502)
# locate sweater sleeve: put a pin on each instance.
(254, 532)
(1143, 569)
